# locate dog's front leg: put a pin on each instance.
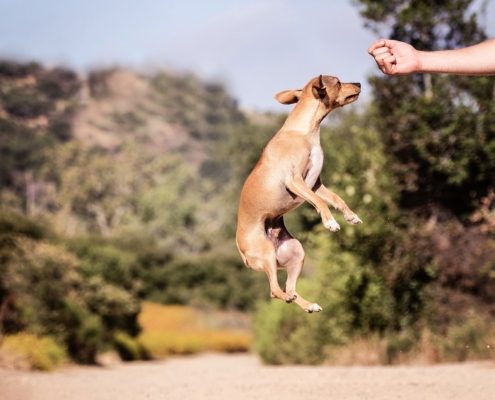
(336, 202)
(297, 186)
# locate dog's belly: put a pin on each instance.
(316, 164)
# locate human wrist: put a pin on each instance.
(422, 63)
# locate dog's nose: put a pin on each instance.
(357, 84)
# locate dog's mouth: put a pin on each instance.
(351, 98)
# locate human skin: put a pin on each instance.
(394, 57)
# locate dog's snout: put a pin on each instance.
(357, 84)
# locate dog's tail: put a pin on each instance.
(244, 259)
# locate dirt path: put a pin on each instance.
(239, 377)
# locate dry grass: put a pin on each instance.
(470, 341)
(184, 330)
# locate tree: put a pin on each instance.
(440, 130)
(440, 133)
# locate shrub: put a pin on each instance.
(14, 69)
(354, 300)
(58, 83)
(129, 348)
(12, 223)
(284, 335)
(398, 345)
(85, 332)
(42, 353)
(61, 128)
(213, 280)
(470, 339)
(48, 295)
(26, 103)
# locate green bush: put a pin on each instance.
(100, 257)
(42, 353)
(211, 280)
(398, 344)
(84, 334)
(129, 348)
(354, 302)
(470, 339)
(21, 149)
(13, 224)
(47, 294)
(284, 335)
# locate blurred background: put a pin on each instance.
(127, 130)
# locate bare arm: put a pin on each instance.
(395, 58)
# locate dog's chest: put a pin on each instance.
(315, 165)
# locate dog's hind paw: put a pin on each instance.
(332, 225)
(353, 219)
(290, 297)
(313, 308)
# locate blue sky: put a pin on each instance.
(256, 47)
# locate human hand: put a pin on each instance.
(394, 57)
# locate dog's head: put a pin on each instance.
(327, 89)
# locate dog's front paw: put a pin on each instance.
(332, 225)
(313, 308)
(353, 218)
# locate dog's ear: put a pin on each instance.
(319, 89)
(288, 96)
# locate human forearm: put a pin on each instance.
(474, 60)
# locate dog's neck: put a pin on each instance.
(306, 118)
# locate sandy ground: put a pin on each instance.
(239, 377)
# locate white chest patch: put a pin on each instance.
(316, 164)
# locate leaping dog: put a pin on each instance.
(286, 175)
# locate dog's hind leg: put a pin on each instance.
(260, 256)
(290, 256)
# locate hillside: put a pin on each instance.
(136, 130)
(116, 187)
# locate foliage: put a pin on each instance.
(44, 292)
(418, 263)
(470, 339)
(210, 280)
(21, 150)
(139, 203)
(355, 299)
(348, 281)
(129, 348)
(205, 110)
(18, 224)
(439, 129)
(42, 353)
(25, 102)
(440, 133)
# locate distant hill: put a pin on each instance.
(85, 151)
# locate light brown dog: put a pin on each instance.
(286, 175)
